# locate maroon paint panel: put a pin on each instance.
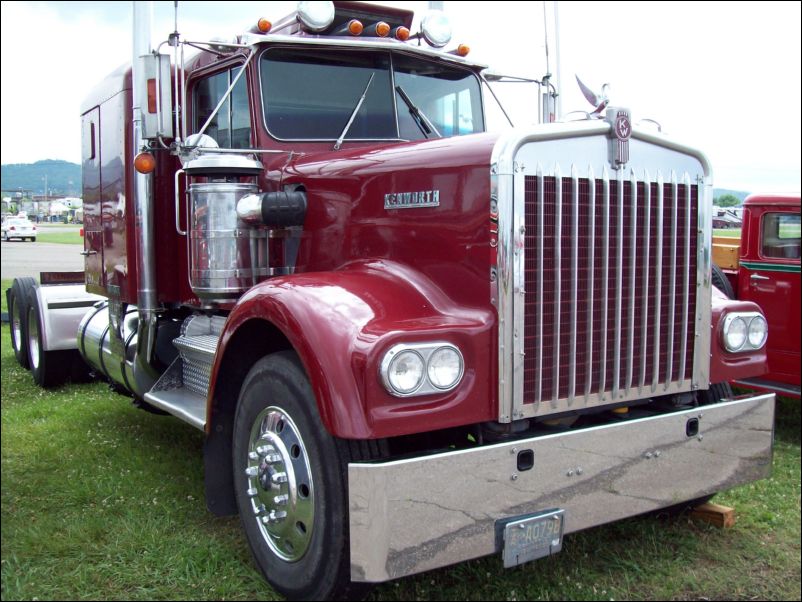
(342, 322)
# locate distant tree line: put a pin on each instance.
(727, 200)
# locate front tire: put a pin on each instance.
(290, 479)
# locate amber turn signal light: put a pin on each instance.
(145, 163)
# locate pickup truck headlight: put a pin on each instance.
(744, 331)
(421, 369)
(758, 331)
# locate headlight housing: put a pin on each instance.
(744, 331)
(421, 369)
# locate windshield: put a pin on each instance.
(310, 94)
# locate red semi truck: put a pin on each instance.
(764, 267)
(409, 341)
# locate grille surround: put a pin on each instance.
(538, 156)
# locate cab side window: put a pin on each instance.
(781, 236)
(231, 127)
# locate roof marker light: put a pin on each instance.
(400, 33)
(263, 25)
(353, 27)
(461, 50)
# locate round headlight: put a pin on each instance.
(445, 368)
(735, 334)
(758, 329)
(315, 15)
(436, 29)
(405, 373)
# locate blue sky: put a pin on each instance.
(722, 76)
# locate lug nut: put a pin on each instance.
(281, 500)
(252, 471)
(279, 477)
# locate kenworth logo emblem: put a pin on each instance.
(410, 200)
(621, 133)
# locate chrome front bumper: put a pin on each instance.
(413, 515)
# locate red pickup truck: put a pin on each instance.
(764, 267)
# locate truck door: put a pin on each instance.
(772, 280)
(93, 231)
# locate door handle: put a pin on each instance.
(759, 277)
(85, 253)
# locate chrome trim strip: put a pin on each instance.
(686, 182)
(574, 282)
(501, 187)
(619, 285)
(632, 247)
(605, 280)
(591, 275)
(704, 259)
(672, 281)
(647, 237)
(519, 294)
(658, 295)
(416, 514)
(558, 228)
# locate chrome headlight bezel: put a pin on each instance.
(425, 351)
(733, 320)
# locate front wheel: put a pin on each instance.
(291, 483)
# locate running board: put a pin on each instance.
(170, 394)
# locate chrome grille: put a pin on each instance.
(610, 280)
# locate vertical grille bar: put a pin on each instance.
(558, 225)
(658, 295)
(574, 281)
(632, 248)
(619, 285)
(686, 182)
(591, 275)
(673, 280)
(605, 280)
(647, 240)
(541, 196)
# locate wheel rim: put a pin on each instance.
(33, 339)
(279, 484)
(16, 325)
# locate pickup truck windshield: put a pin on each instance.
(309, 94)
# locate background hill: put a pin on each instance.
(63, 178)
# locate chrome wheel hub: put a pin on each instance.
(280, 484)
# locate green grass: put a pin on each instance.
(69, 238)
(729, 232)
(104, 501)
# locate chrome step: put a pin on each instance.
(170, 394)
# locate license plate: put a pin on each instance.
(532, 537)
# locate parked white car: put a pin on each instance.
(18, 227)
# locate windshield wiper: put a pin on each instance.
(426, 126)
(347, 127)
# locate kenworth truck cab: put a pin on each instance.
(409, 341)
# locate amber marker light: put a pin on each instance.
(263, 25)
(145, 163)
(401, 33)
(463, 50)
(382, 29)
(355, 27)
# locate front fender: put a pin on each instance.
(341, 323)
